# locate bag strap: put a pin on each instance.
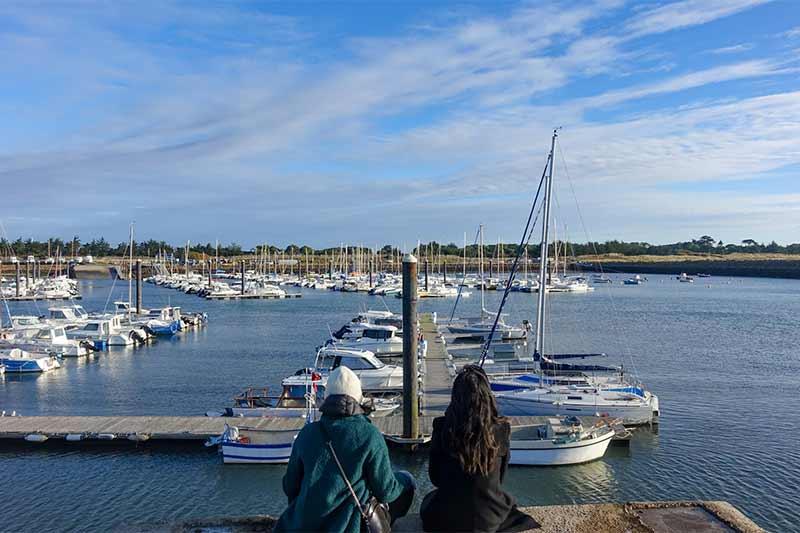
(342, 472)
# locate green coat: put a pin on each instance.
(318, 496)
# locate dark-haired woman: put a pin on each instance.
(468, 461)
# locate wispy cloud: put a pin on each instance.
(258, 119)
(733, 49)
(685, 13)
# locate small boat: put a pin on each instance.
(17, 360)
(561, 441)
(292, 402)
(685, 278)
(699, 275)
(635, 280)
(383, 341)
(260, 446)
(601, 279)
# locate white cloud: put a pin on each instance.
(683, 14)
(733, 49)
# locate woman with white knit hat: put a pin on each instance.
(319, 498)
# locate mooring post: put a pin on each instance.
(138, 286)
(426, 274)
(243, 276)
(330, 270)
(209, 274)
(370, 273)
(27, 276)
(410, 332)
(444, 271)
(491, 265)
(17, 264)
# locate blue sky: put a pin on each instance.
(377, 122)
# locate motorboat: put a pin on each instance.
(106, 331)
(292, 402)
(377, 378)
(240, 444)
(685, 278)
(635, 280)
(49, 339)
(21, 361)
(383, 341)
(561, 441)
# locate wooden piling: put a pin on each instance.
(17, 265)
(427, 269)
(410, 334)
(27, 276)
(242, 276)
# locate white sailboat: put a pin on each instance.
(632, 404)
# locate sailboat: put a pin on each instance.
(615, 399)
(481, 326)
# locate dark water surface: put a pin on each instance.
(722, 355)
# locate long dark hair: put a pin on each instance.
(470, 421)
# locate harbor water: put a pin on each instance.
(720, 353)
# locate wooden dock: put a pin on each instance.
(252, 296)
(439, 370)
(179, 428)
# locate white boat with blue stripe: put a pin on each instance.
(20, 361)
(244, 445)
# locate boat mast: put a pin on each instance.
(540, 312)
(483, 281)
(130, 269)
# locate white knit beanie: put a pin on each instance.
(343, 381)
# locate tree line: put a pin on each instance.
(152, 248)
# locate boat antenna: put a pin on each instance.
(522, 245)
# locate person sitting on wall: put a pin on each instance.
(468, 461)
(319, 498)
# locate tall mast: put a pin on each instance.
(540, 313)
(130, 268)
(483, 281)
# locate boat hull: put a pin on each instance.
(239, 453)
(631, 415)
(547, 453)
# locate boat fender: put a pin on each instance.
(74, 437)
(244, 440)
(36, 437)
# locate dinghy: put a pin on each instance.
(562, 441)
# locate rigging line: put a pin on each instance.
(514, 267)
(610, 296)
(463, 281)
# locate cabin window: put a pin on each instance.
(59, 332)
(357, 364)
(92, 327)
(574, 398)
(378, 334)
(58, 314)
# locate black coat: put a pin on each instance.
(465, 502)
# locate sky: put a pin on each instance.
(388, 122)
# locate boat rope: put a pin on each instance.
(627, 351)
(512, 273)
